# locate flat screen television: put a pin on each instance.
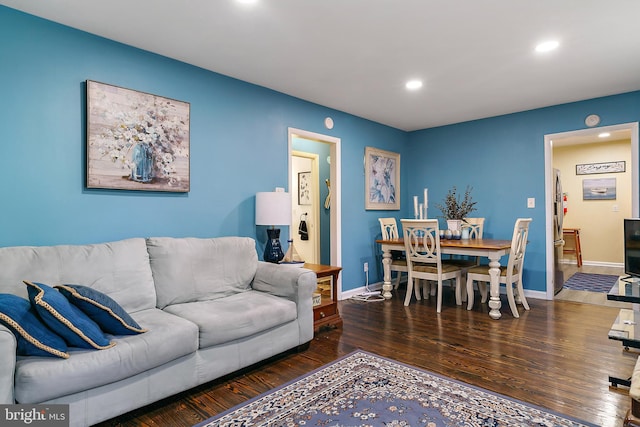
(632, 248)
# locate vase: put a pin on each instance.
(273, 249)
(142, 163)
(465, 234)
(454, 224)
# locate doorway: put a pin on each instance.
(575, 138)
(334, 202)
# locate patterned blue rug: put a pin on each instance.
(362, 389)
(591, 282)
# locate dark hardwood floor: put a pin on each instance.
(556, 356)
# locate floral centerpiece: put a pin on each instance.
(456, 209)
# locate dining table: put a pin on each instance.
(494, 249)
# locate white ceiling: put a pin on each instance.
(476, 57)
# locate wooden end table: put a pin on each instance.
(326, 314)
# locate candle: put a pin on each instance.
(426, 197)
(421, 211)
(415, 206)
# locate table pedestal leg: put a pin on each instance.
(386, 268)
(494, 299)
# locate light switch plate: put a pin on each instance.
(531, 202)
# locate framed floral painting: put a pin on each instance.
(135, 140)
(382, 179)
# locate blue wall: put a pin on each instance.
(239, 147)
(502, 158)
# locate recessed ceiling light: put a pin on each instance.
(414, 84)
(547, 46)
(604, 135)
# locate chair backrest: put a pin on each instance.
(389, 228)
(518, 246)
(475, 226)
(421, 241)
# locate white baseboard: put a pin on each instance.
(378, 287)
(594, 263)
(357, 291)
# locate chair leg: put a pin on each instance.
(397, 284)
(463, 290)
(482, 287)
(439, 305)
(426, 289)
(470, 296)
(521, 296)
(512, 301)
(460, 290)
(416, 285)
(407, 298)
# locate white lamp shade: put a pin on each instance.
(273, 208)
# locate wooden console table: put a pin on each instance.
(326, 314)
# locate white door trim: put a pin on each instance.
(335, 214)
(548, 184)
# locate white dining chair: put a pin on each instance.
(389, 229)
(424, 261)
(475, 226)
(510, 275)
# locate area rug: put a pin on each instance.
(591, 282)
(362, 389)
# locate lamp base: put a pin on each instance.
(273, 249)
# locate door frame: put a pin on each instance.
(335, 215)
(314, 221)
(548, 174)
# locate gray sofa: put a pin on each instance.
(210, 307)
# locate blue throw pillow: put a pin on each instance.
(33, 337)
(102, 309)
(65, 319)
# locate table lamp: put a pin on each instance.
(273, 208)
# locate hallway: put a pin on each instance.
(598, 298)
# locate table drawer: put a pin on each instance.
(323, 311)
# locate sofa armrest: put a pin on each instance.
(293, 283)
(8, 346)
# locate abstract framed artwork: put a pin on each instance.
(304, 188)
(599, 189)
(606, 167)
(136, 140)
(382, 179)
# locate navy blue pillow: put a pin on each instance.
(65, 319)
(33, 337)
(102, 309)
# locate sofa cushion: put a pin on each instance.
(65, 319)
(32, 336)
(192, 269)
(119, 269)
(169, 338)
(101, 309)
(235, 317)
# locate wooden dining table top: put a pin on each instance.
(487, 244)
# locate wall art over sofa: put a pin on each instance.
(135, 140)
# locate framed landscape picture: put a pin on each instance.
(382, 179)
(135, 140)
